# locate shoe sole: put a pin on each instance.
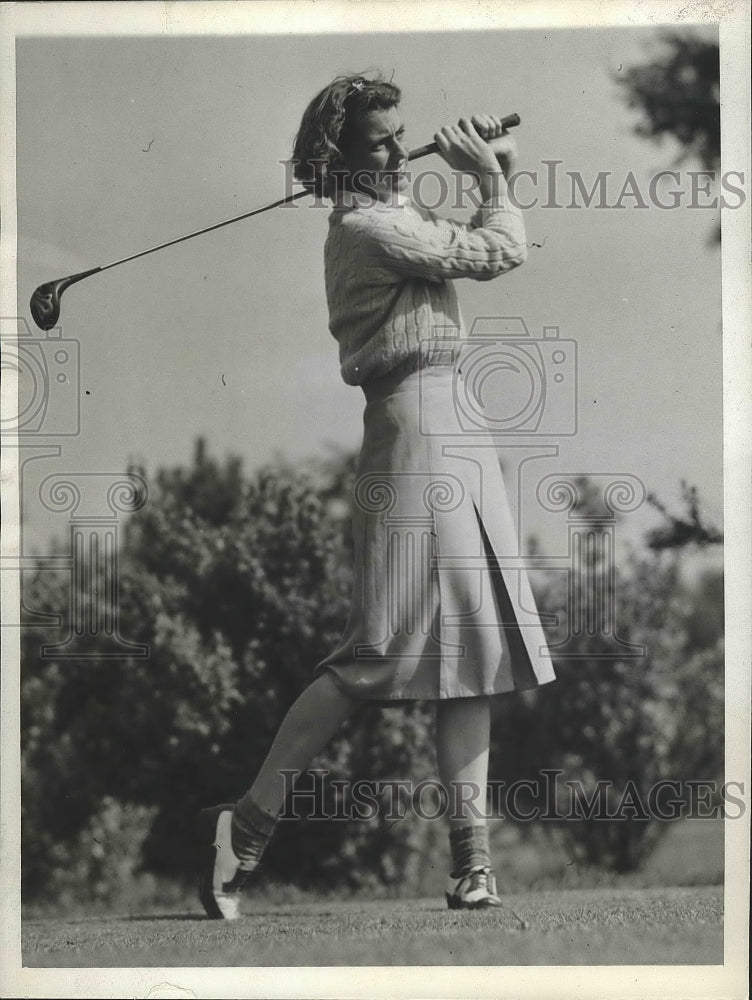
(454, 903)
(457, 904)
(206, 835)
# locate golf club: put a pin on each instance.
(45, 301)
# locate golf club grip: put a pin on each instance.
(509, 121)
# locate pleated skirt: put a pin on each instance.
(437, 611)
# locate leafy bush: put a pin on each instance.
(630, 722)
(238, 588)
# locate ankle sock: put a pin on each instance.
(250, 830)
(469, 847)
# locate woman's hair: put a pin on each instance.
(320, 142)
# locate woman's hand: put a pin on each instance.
(463, 147)
(502, 144)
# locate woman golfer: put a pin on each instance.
(435, 615)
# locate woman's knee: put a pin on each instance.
(461, 712)
(332, 699)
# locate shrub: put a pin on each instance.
(630, 722)
(238, 588)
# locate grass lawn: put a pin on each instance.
(602, 926)
(669, 912)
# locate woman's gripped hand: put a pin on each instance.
(500, 142)
(465, 149)
(458, 144)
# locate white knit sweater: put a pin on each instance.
(388, 279)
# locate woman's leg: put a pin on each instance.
(308, 726)
(234, 838)
(463, 729)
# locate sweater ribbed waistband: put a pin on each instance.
(379, 388)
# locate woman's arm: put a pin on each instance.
(438, 249)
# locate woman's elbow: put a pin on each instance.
(518, 256)
(502, 264)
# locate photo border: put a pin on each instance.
(329, 16)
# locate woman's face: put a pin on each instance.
(375, 156)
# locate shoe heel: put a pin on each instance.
(206, 823)
(452, 902)
(206, 833)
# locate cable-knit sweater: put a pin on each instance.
(389, 272)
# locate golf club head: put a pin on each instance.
(45, 302)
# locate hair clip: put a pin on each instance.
(358, 84)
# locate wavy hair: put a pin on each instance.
(324, 126)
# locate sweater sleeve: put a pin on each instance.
(440, 249)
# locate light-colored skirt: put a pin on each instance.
(435, 613)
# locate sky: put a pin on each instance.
(123, 143)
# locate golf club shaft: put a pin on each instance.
(208, 229)
(45, 300)
(509, 121)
